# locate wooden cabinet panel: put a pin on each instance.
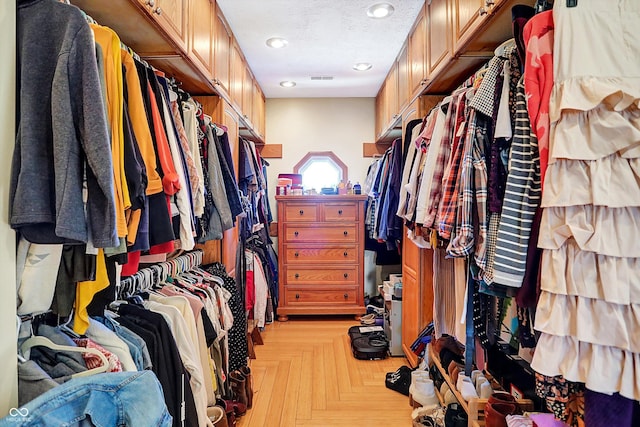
(305, 212)
(347, 233)
(418, 55)
(410, 315)
(230, 237)
(439, 34)
(380, 110)
(321, 258)
(247, 95)
(391, 96)
(222, 53)
(237, 76)
(295, 254)
(403, 78)
(328, 275)
(347, 296)
(201, 28)
(467, 15)
(340, 212)
(172, 17)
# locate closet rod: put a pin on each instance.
(156, 273)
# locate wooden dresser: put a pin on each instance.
(321, 255)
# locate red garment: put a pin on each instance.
(94, 361)
(538, 79)
(170, 181)
(132, 265)
(250, 294)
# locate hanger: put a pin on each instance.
(40, 341)
(542, 5)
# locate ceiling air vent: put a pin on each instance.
(321, 77)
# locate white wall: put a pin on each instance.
(340, 125)
(301, 125)
(8, 337)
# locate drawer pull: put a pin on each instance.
(295, 233)
(346, 275)
(296, 275)
(301, 212)
(297, 296)
(346, 233)
(151, 3)
(346, 296)
(340, 212)
(158, 11)
(296, 254)
(345, 254)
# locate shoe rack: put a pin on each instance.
(474, 407)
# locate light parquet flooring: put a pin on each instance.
(305, 375)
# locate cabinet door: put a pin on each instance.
(391, 96)
(258, 111)
(418, 55)
(222, 53)
(247, 95)
(172, 17)
(237, 76)
(438, 34)
(201, 28)
(380, 110)
(403, 77)
(467, 16)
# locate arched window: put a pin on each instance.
(321, 169)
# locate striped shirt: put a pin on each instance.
(522, 197)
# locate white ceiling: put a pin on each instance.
(326, 38)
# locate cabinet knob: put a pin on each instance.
(340, 212)
(297, 296)
(296, 254)
(345, 253)
(482, 11)
(346, 275)
(296, 275)
(158, 11)
(295, 233)
(151, 3)
(490, 3)
(301, 212)
(346, 233)
(346, 296)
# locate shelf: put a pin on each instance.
(474, 407)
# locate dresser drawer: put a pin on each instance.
(346, 295)
(313, 234)
(316, 275)
(340, 212)
(294, 254)
(303, 212)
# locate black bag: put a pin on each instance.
(368, 345)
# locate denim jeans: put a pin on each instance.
(102, 400)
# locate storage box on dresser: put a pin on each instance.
(321, 254)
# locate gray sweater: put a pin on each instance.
(61, 131)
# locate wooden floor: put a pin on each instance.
(305, 375)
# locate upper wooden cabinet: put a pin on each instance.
(172, 17)
(236, 78)
(403, 77)
(438, 34)
(201, 33)
(222, 53)
(418, 54)
(187, 39)
(450, 39)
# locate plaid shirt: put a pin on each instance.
(451, 180)
(433, 201)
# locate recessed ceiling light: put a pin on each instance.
(277, 42)
(380, 10)
(287, 83)
(362, 66)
